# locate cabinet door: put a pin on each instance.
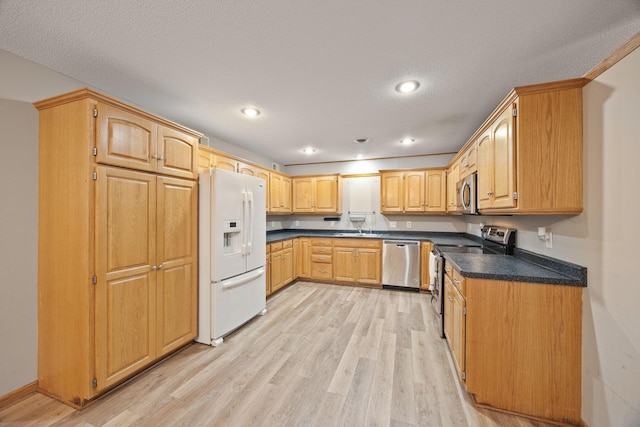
(303, 195)
(344, 264)
(177, 153)
(369, 266)
(126, 271)
(285, 195)
(125, 139)
(326, 194)
(448, 310)
(275, 185)
(205, 161)
(451, 189)
(225, 163)
(435, 191)
(414, 191)
(425, 251)
(305, 258)
(504, 162)
(287, 266)
(264, 174)
(392, 192)
(458, 328)
(485, 170)
(246, 169)
(177, 237)
(276, 270)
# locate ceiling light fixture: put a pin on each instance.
(361, 140)
(250, 112)
(407, 86)
(360, 157)
(406, 141)
(308, 150)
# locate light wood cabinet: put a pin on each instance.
(530, 151)
(225, 163)
(127, 139)
(452, 180)
(425, 252)
(317, 194)
(117, 243)
(205, 158)
(357, 261)
(281, 266)
(468, 160)
(321, 259)
(516, 346)
(305, 257)
(413, 191)
(280, 194)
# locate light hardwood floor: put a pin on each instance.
(323, 355)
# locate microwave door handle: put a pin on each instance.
(464, 186)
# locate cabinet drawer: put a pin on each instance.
(459, 282)
(287, 244)
(321, 249)
(276, 246)
(321, 258)
(321, 242)
(357, 243)
(321, 270)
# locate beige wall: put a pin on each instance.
(18, 244)
(603, 239)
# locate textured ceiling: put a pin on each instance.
(321, 72)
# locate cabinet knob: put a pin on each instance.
(160, 267)
(154, 268)
(450, 298)
(489, 193)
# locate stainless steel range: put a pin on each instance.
(495, 241)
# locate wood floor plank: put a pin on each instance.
(323, 355)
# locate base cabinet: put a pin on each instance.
(517, 346)
(281, 264)
(117, 248)
(357, 261)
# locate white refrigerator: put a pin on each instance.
(232, 253)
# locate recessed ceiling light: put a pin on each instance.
(361, 140)
(309, 150)
(407, 141)
(250, 112)
(360, 157)
(407, 86)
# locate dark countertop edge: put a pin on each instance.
(406, 235)
(576, 272)
(564, 279)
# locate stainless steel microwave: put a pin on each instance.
(466, 195)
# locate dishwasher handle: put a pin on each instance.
(400, 243)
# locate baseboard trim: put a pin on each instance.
(18, 394)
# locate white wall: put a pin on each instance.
(604, 239)
(18, 245)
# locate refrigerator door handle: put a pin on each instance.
(250, 225)
(244, 223)
(236, 281)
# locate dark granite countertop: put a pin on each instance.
(438, 238)
(525, 266)
(517, 269)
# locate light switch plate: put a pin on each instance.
(408, 224)
(393, 224)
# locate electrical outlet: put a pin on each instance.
(549, 242)
(393, 224)
(408, 224)
(297, 223)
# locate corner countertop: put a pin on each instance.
(524, 266)
(519, 268)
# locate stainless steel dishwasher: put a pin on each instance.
(401, 264)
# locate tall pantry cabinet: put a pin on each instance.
(117, 243)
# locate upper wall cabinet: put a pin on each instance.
(413, 191)
(279, 194)
(530, 151)
(130, 140)
(317, 194)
